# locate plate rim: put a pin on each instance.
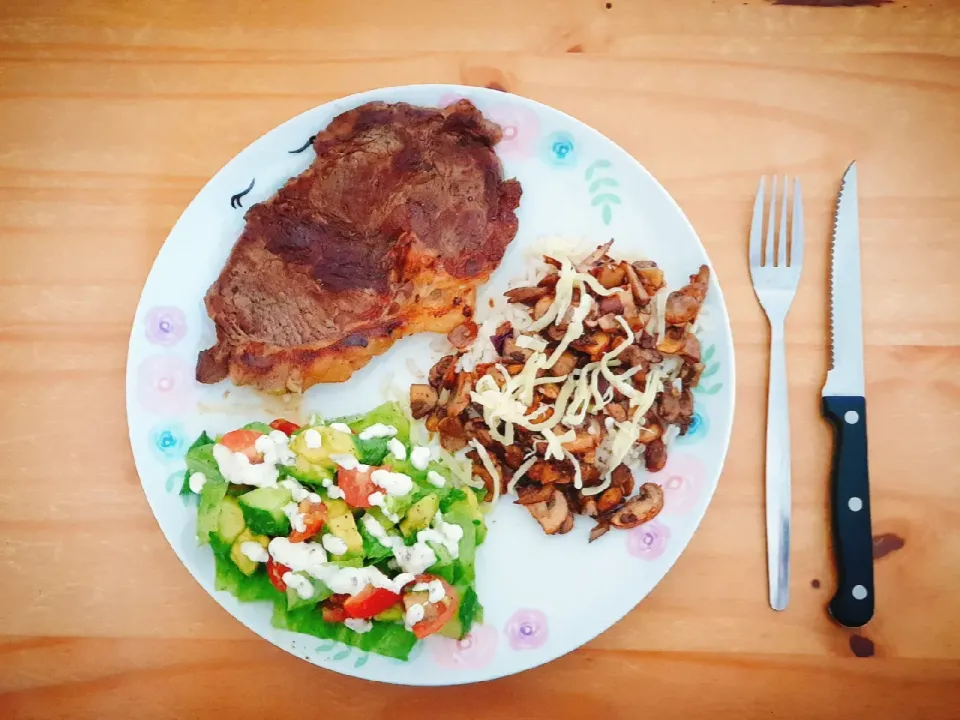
(696, 519)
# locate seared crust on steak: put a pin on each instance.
(401, 216)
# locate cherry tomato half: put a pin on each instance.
(243, 441)
(357, 486)
(285, 426)
(275, 572)
(314, 515)
(369, 602)
(435, 614)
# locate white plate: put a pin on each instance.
(543, 596)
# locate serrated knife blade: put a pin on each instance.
(844, 405)
(845, 376)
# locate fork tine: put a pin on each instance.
(756, 228)
(768, 247)
(782, 243)
(796, 232)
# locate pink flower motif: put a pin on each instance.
(475, 651)
(648, 541)
(165, 326)
(527, 630)
(521, 129)
(682, 481)
(165, 385)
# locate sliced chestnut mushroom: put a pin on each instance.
(593, 344)
(549, 472)
(690, 374)
(673, 340)
(593, 258)
(552, 513)
(617, 411)
(640, 294)
(684, 304)
(649, 432)
(567, 525)
(598, 531)
(512, 351)
(610, 305)
(609, 499)
(582, 442)
(590, 507)
(452, 435)
(532, 494)
(608, 323)
(463, 335)
(461, 394)
(513, 456)
(565, 364)
(668, 406)
(612, 275)
(551, 391)
(690, 351)
(423, 399)
(441, 374)
(540, 309)
(526, 295)
(621, 477)
(644, 507)
(655, 455)
(651, 277)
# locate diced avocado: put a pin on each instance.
(263, 510)
(208, 513)
(332, 442)
(393, 614)
(381, 518)
(309, 473)
(230, 523)
(389, 413)
(452, 629)
(419, 515)
(472, 501)
(243, 563)
(341, 523)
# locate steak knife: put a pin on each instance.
(844, 405)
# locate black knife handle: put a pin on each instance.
(852, 538)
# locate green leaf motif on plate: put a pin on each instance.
(709, 370)
(606, 214)
(601, 189)
(594, 166)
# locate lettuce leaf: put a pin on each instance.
(389, 639)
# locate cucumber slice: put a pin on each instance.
(263, 510)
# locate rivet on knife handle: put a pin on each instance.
(850, 493)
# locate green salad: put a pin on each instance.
(351, 531)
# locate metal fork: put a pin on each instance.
(775, 274)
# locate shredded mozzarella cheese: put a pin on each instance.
(489, 466)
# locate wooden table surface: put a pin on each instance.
(113, 115)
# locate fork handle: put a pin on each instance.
(778, 473)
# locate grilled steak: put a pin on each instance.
(402, 215)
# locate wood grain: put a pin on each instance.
(113, 115)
